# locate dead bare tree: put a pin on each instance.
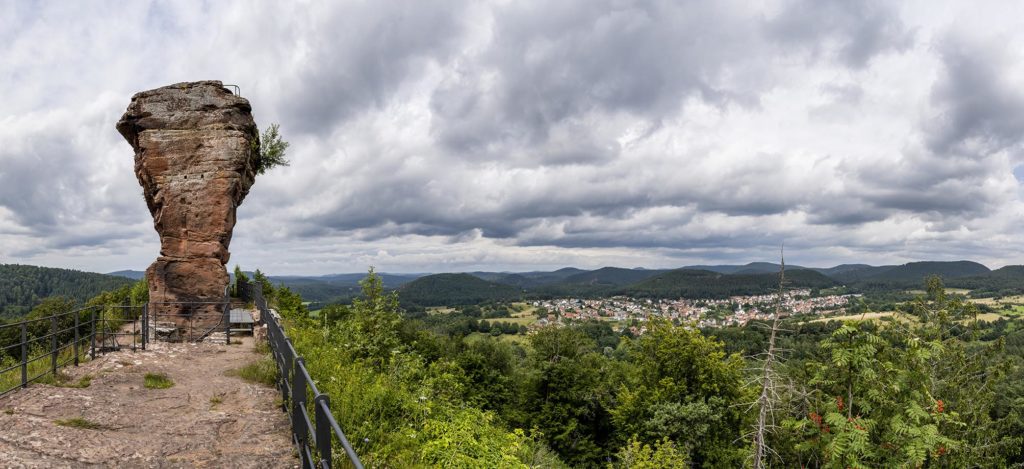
(765, 402)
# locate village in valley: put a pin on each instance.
(736, 310)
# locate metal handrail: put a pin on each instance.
(57, 329)
(84, 330)
(294, 381)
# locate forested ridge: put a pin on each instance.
(695, 282)
(454, 289)
(24, 286)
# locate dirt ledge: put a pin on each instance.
(182, 426)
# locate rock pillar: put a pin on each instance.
(196, 148)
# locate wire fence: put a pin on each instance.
(316, 438)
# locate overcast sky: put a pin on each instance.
(431, 136)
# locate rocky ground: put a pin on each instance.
(208, 418)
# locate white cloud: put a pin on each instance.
(442, 136)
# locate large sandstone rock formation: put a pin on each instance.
(196, 148)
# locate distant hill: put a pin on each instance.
(132, 274)
(690, 283)
(529, 279)
(751, 268)
(911, 274)
(858, 272)
(610, 276)
(591, 283)
(917, 271)
(336, 288)
(844, 268)
(1010, 271)
(454, 289)
(506, 278)
(23, 286)
(1005, 281)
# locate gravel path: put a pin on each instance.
(207, 419)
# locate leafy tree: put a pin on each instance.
(568, 394)
(663, 455)
(683, 386)
(489, 367)
(265, 285)
(140, 293)
(290, 304)
(271, 150)
(240, 279)
(373, 331)
(909, 395)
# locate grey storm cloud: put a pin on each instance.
(979, 111)
(361, 53)
(439, 133)
(851, 31)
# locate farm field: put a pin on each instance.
(440, 310)
(510, 338)
(523, 321)
(858, 317)
(1017, 300)
(524, 310)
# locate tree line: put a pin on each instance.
(23, 287)
(938, 389)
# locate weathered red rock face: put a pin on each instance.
(196, 147)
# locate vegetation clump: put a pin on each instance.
(62, 380)
(79, 422)
(262, 371)
(157, 381)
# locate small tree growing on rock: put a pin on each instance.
(271, 150)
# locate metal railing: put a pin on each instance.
(189, 321)
(314, 439)
(64, 338)
(68, 337)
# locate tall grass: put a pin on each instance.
(262, 371)
(39, 366)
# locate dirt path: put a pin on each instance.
(207, 419)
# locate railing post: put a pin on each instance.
(92, 334)
(277, 345)
(227, 323)
(145, 325)
(24, 355)
(135, 329)
(321, 404)
(299, 408)
(53, 344)
(77, 337)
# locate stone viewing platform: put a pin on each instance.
(209, 417)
